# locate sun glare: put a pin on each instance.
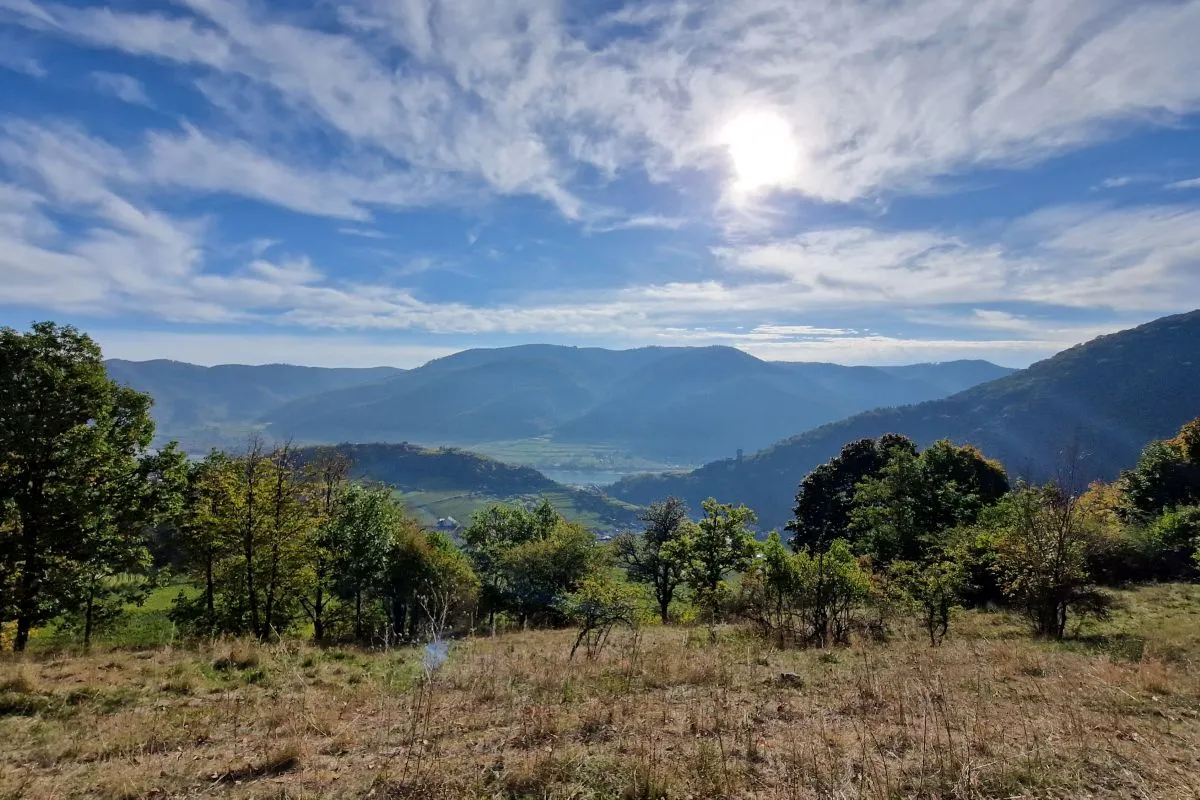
(762, 148)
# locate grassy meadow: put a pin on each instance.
(1112, 712)
(593, 512)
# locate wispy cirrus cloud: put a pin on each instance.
(122, 87)
(520, 96)
(396, 105)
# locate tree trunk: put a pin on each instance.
(27, 592)
(210, 593)
(664, 604)
(358, 614)
(319, 614)
(88, 616)
(24, 625)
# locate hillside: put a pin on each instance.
(658, 714)
(446, 482)
(680, 404)
(203, 407)
(1111, 395)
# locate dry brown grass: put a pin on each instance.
(989, 714)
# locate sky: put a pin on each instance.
(387, 181)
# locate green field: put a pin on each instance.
(143, 625)
(544, 453)
(598, 514)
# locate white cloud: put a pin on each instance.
(520, 97)
(417, 103)
(886, 350)
(1192, 183)
(641, 222)
(266, 348)
(15, 55)
(365, 233)
(123, 255)
(123, 87)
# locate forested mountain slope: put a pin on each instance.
(204, 407)
(441, 482)
(672, 403)
(1110, 396)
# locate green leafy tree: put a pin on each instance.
(447, 589)
(719, 544)
(250, 533)
(831, 585)
(935, 590)
(825, 500)
(1043, 550)
(643, 555)
(599, 605)
(1167, 475)
(769, 592)
(539, 573)
(805, 598)
(907, 510)
(78, 482)
(361, 536)
(203, 538)
(327, 474)
(1168, 543)
(429, 582)
(494, 531)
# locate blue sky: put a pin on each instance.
(385, 181)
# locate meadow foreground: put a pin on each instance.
(988, 714)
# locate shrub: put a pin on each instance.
(1042, 558)
(806, 598)
(934, 590)
(599, 605)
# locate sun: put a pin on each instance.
(762, 148)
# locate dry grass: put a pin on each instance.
(989, 714)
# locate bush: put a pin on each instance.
(1166, 547)
(934, 591)
(805, 599)
(1042, 557)
(599, 605)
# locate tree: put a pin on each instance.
(1168, 544)
(447, 588)
(493, 532)
(78, 483)
(906, 511)
(1043, 551)
(934, 589)
(643, 556)
(538, 574)
(825, 499)
(599, 605)
(428, 582)
(250, 532)
(1167, 475)
(720, 543)
(361, 536)
(327, 472)
(204, 534)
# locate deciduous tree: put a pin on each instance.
(643, 556)
(78, 481)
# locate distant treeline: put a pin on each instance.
(276, 541)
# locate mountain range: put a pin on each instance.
(205, 407)
(1104, 399)
(672, 404)
(683, 404)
